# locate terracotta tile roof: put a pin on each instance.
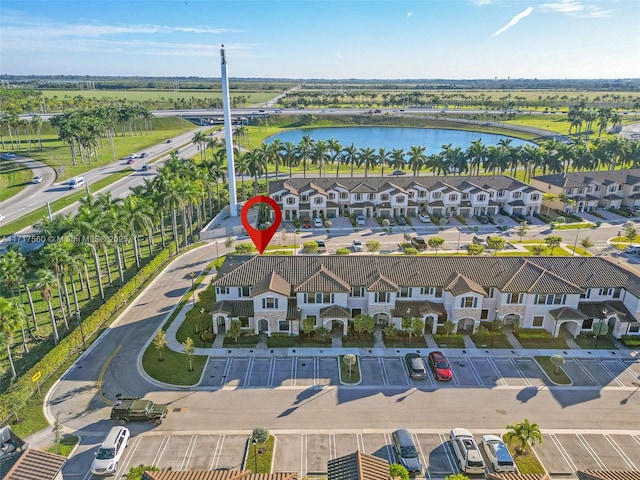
(358, 466)
(323, 280)
(578, 179)
(382, 284)
(567, 313)
(566, 274)
(335, 311)
(272, 283)
(594, 310)
(363, 187)
(234, 308)
(217, 475)
(458, 284)
(607, 475)
(31, 464)
(407, 308)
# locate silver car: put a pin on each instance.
(498, 454)
(406, 451)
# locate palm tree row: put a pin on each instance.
(552, 156)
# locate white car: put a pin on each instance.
(110, 452)
(2, 219)
(317, 223)
(498, 454)
(37, 179)
(356, 246)
(424, 218)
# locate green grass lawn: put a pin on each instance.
(349, 375)
(404, 341)
(358, 340)
(66, 445)
(527, 462)
(452, 340)
(174, 369)
(586, 341)
(484, 340)
(260, 456)
(560, 377)
(13, 178)
(543, 342)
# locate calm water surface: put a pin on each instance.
(397, 137)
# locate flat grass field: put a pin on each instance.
(13, 178)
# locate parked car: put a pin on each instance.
(400, 220)
(37, 179)
(419, 243)
(424, 218)
(416, 367)
(406, 451)
(317, 223)
(356, 246)
(8, 155)
(138, 410)
(306, 222)
(628, 210)
(322, 247)
(110, 452)
(360, 219)
(399, 172)
(498, 454)
(146, 167)
(439, 366)
(467, 451)
(479, 241)
(632, 249)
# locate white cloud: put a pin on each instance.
(339, 55)
(409, 14)
(482, 3)
(575, 8)
(526, 12)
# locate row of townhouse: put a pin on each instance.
(275, 293)
(442, 196)
(586, 191)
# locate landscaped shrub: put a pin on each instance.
(631, 340)
(282, 340)
(342, 251)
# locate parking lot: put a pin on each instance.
(391, 371)
(308, 453)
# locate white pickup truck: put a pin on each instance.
(467, 451)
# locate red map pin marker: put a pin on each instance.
(261, 238)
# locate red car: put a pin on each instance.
(440, 366)
(306, 222)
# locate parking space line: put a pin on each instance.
(636, 438)
(249, 370)
(227, 368)
(360, 442)
(617, 448)
(629, 370)
(563, 452)
(332, 446)
(272, 370)
(316, 370)
(606, 369)
(303, 455)
(591, 451)
(131, 452)
(586, 371)
(496, 371)
(385, 378)
(475, 372)
(453, 462)
(524, 379)
(390, 453)
(421, 453)
(189, 451)
(294, 370)
(217, 452)
(161, 449)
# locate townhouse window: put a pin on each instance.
(332, 196)
(517, 195)
(244, 291)
(596, 188)
(372, 196)
(492, 194)
(617, 292)
(453, 197)
(384, 197)
(304, 198)
(344, 195)
(587, 324)
(222, 290)
(436, 195)
(465, 196)
(438, 292)
(601, 292)
(276, 198)
(484, 314)
(589, 189)
(412, 194)
(358, 197)
(291, 201)
(535, 197)
(580, 191)
(283, 326)
(405, 292)
(357, 291)
(482, 198)
(400, 198)
(515, 298)
(636, 188)
(492, 292)
(541, 299)
(422, 290)
(612, 189)
(269, 303)
(587, 294)
(538, 321)
(634, 328)
(468, 302)
(569, 191)
(555, 299)
(501, 193)
(324, 297)
(422, 194)
(381, 297)
(619, 187)
(244, 322)
(317, 200)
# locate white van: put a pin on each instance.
(110, 452)
(76, 182)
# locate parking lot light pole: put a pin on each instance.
(459, 231)
(193, 292)
(299, 325)
(84, 345)
(254, 442)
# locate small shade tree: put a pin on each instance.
(496, 243)
(436, 243)
(159, 343)
(189, 349)
(557, 361)
(448, 326)
(599, 328)
(373, 246)
(522, 229)
(398, 472)
(310, 247)
(552, 242)
(526, 432)
(349, 360)
(475, 249)
(538, 250)
(586, 243)
(235, 330)
(363, 324)
(260, 434)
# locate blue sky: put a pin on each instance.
(386, 39)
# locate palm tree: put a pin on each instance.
(367, 157)
(383, 159)
(351, 156)
(319, 154)
(199, 139)
(303, 151)
(46, 282)
(417, 158)
(335, 154)
(56, 256)
(289, 156)
(9, 321)
(526, 432)
(398, 161)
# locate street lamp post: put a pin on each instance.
(84, 345)
(299, 325)
(459, 231)
(193, 292)
(254, 442)
(575, 244)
